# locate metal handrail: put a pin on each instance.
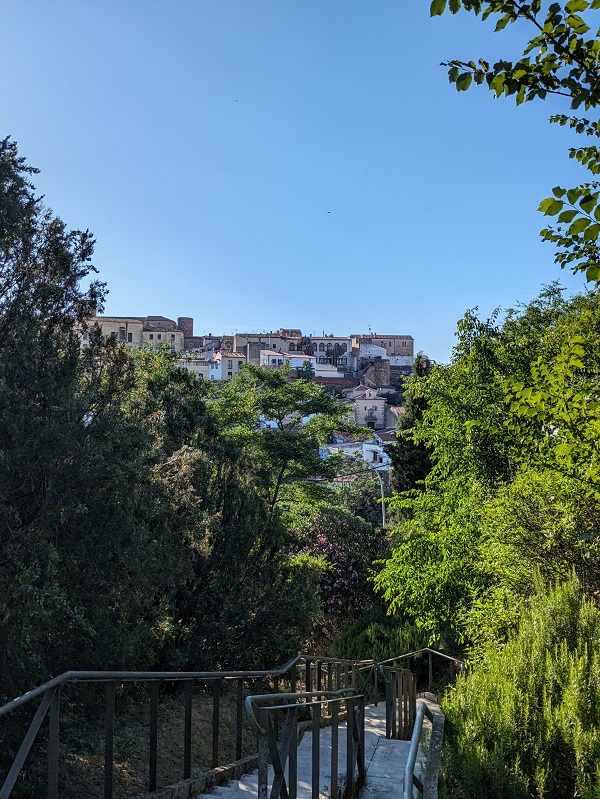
(344, 675)
(386, 671)
(400, 701)
(431, 652)
(141, 676)
(410, 778)
(307, 669)
(263, 699)
(279, 747)
(420, 652)
(415, 740)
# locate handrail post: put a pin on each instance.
(53, 745)
(293, 756)
(334, 749)
(430, 669)
(349, 747)
(362, 772)
(316, 751)
(389, 706)
(153, 758)
(109, 732)
(403, 707)
(263, 756)
(238, 718)
(216, 703)
(187, 730)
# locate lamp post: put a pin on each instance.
(382, 497)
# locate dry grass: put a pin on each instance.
(82, 758)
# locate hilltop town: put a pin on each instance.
(366, 369)
(373, 359)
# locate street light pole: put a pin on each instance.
(382, 498)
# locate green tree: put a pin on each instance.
(454, 566)
(555, 415)
(306, 371)
(431, 575)
(537, 526)
(281, 422)
(132, 534)
(410, 459)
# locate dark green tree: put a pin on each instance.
(132, 534)
(410, 459)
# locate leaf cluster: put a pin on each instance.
(562, 58)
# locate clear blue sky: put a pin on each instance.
(259, 164)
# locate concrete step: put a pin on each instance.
(384, 760)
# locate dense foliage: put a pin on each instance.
(139, 515)
(510, 507)
(341, 531)
(498, 550)
(526, 722)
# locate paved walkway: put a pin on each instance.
(384, 760)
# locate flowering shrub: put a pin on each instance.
(346, 547)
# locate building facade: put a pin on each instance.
(137, 331)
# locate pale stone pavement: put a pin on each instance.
(384, 759)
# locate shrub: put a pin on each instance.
(526, 721)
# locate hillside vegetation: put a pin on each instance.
(497, 550)
(147, 520)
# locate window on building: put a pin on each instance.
(151, 336)
(274, 361)
(230, 365)
(322, 359)
(130, 338)
(172, 336)
(292, 347)
(159, 336)
(342, 361)
(321, 347)
(229, 374)
(121, 334)
(240, 364)
(344, 348)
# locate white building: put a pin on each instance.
(370, 450)
(275, 360)
(220, 365)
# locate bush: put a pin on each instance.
(526, 721)
(378, 637)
